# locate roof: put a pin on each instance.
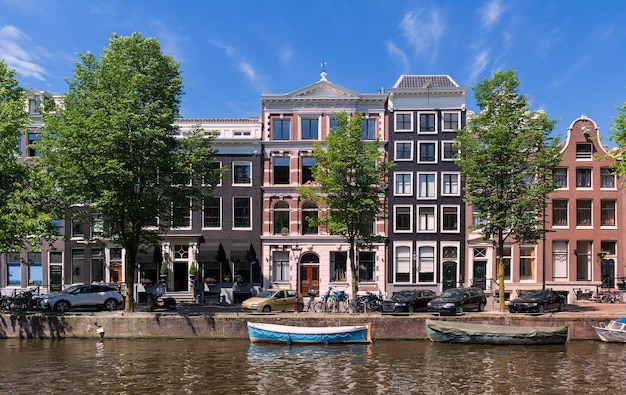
(425, 81)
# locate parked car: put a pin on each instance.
(537, 301)
(456, 300)
(89, 295)
(273, 300)
(408, 300)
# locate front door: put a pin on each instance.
(480, 274)
(56, 278)
(181, 276)
(309, 279)
(607, 273)
(449, 274)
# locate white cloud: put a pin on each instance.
(285, 55)
(169, 41)
(245, 67)
(423, 31)
(20, 54)
(491, 13)
(397, 53)
(479, 64)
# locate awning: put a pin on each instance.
(207, 252)
(239, 252)
(145, 256)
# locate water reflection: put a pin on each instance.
(391, 367)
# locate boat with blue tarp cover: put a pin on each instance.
(273, 333)
(613, 332)
(462, 332)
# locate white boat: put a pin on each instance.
(272, 333)
(613, 332)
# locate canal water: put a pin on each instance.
(238, 367)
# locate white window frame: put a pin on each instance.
(241, 163)
(419, 122)
(251, 213)
(403, 244)
(566, 187)
(219, 183)
(602, 201)
(395, 151)
(458, 120)
(395, 217)
(433, 245)
(221, 206)
(443, 151)
(590, 178)
(560, 268)
(419, 185)
(395, 183)
(418, 225)
(458, 218)
(419, 151)
(187, 227)
(458, 183)
(533, 267)
(614, 187)
(412, 116)
(310, 118)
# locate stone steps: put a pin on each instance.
(180, 297)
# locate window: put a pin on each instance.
(32, 139)
(426, 187)
(404, 121)
(584, 150)
(368, 129)
(583, 213)
(449, 219)
(450, 121)
(281, 129)
(97, 226)
(181, 252)
(403, 219)
(241, 212)
(181, 176)
(477, 219)
(309, 210)
(281, 218)
(425, 264)
(507, 256)
(560, 177)
(527, 262)
(307, 169)
(402, 257)
(427, 123)
(280, 266)
(244, 133)
(403, 184)
(212, 216)
(14, 269)
(449, 151)
(78, 262)
(608, 247)
(366, 266)
(181, 212)
(607, 178)
(309, 129)
(97, 265)
(33, 106)
(426, 219)
(58, 226)
(450, 184)
(607, 213)
(427, 152)
(559, 212)
(333, 123)
(242, 173)
(213, 168)
(559, 260)
(281, 170)
(583, 178)
(583, 260)
(404, 150)
(79, 229)
(338, 265)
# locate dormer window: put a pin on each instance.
(584, 150)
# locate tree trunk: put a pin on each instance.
(500, 264)
(354, 270)
(131, 257)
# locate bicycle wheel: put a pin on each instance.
(319, 307)
(605, 298)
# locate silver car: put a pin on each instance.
(89, 295)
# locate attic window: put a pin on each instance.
(584, 150)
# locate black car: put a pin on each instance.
(537, 301)
(409, 300)
(456, 300)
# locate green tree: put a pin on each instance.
(114, 150)
(618, 136)
(507, 159)
(25, 216)
(350, 186)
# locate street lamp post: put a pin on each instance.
(296, 250)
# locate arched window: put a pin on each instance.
(309, 210)
(281, 217)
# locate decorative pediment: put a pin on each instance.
(323, 90)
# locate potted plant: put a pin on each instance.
(163, 271)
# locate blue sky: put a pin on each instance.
(569, 55)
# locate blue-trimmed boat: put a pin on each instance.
(273, 333)
(613, 332)
(461, 332)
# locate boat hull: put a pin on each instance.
(272, 333)
(614, 332)
(452, 332)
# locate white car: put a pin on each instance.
(96, 295)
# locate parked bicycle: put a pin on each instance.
(611, 297)
(310, 307)
(333, 301)
(370, 302)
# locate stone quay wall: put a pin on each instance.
(232, 325)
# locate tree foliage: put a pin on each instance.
(618, 136)
(350, 186)
(507, 159)
(25, 216)
(115, 152)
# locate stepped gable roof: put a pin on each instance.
(425, 82)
